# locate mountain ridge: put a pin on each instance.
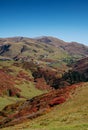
(44, 47)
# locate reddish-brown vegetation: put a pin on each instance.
(40, 83)
(34, 107)
(81, 65)
(24, 76)
(48, 75)
(7, 85)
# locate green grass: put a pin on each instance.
(27, 88)
(8, 100)
(71, 115)
(69, 127)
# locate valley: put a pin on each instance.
(43, 84)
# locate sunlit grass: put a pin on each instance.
(8, 100)
(71, 115)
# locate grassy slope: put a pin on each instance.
(27, 88)
(8, 100)
(72, 115)
(35, 50)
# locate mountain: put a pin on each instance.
(43, 84)
(40, 48)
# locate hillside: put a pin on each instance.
(45, 107)
(41, 49)
(71, 48)
(71, 115)
(42, 82)
(16, 83)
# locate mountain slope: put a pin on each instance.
(34, 107)
(71, 115)
(40, 48)
(42, 104)
(43, 74)
(16, 83)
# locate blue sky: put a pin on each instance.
(64, 19)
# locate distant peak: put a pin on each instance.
(44, 39)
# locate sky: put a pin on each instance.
(64, 19)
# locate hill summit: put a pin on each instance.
(40, 48)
